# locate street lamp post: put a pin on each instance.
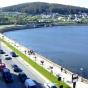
(81, 69)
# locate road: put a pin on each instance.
(26, 69)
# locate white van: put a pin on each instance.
(29, 83)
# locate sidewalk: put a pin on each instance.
(67, 77)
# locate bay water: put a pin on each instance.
(64, 45)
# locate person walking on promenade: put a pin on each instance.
(61, 69)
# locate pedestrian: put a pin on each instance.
(25, 51)
(65, 71)
(28, 52)
(35, 57)
(61, 69)
(63, 79)
(31, 51)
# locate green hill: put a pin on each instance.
(45, 8)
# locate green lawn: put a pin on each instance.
(39, 68)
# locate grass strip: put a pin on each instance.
(39, 68)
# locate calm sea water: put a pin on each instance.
(64, 45)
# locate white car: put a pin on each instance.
(49, 85)
(29, 83)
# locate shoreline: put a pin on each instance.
(23, 27)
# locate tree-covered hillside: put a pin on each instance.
(45, 8)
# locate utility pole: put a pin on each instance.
(81, 69)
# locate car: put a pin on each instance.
(13, 54)
(22, 76)
(29, 83)
(7, 75)
(6, 54)
(1, 51)
(8, 58)
(16, 68)
(49, 85)
(0, 60)
(2, 66)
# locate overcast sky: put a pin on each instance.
(82, 3)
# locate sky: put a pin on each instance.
(81, 3)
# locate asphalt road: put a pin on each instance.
(26, 69)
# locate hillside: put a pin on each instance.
(45, 8)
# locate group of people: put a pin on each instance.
(29, 52)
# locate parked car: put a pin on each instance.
(1, 51)
(2, 66)
(8, 58)
(6, 54)
(0, 60)
(29, 83)
(7, 75)
(49, 85)
(22, 76)
(16, 68)
(13, 54)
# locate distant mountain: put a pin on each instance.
(45, 8)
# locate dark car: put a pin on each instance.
(0, 60)
(6, 54)
(13, 54)
(22, 76)
(16, 68)
(8, 58)
(2, 52)
(7, 75)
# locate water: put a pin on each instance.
(64, 45)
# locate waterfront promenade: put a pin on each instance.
(50, 66)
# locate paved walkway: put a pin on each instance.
(50, 66)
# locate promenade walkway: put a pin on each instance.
(50, 66)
